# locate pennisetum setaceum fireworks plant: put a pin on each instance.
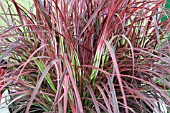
(85, 56)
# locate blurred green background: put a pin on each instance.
(28, 4)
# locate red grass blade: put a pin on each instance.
(105, 99)
(80, 107)
(65, 93)
(117, 73)
(39, 84)
(93, 98)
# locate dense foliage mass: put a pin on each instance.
(85, 56)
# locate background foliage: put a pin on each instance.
(80, 56)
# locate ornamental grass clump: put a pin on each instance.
(85, 56)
